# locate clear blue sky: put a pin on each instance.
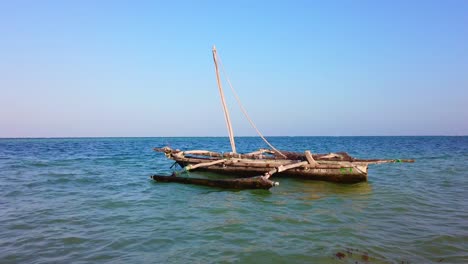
(144, 68)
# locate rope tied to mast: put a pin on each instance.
(241, 106)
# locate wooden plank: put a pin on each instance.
(291, 166)
(284, 168)
(206, 164)
(310, 158)
(268, 164)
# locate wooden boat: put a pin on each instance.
(335, 167)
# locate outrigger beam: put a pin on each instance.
(242, 183)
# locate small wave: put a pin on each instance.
(20, 227)
(39, 164)
(72, 240)
(59, 180)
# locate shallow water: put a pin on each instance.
(89, 200)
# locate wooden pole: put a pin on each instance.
(285, 167)
(226, 112)
(310, 159)
(258, 182)
(206, 164)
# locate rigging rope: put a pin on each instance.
(245, 111)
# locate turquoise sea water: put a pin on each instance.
(90, 200)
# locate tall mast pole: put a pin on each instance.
(223, 102)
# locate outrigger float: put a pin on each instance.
(255, 169)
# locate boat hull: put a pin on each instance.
(352, 173)
(334, 167)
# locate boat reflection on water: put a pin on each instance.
(309, 190)
(314, 190)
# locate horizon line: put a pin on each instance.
(83, 137)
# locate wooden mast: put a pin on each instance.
(226, 112)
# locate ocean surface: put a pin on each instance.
(90, 200)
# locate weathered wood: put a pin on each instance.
(243, 183)
(259, 152)
(291, 166)
(310, 158)
(223, 102)
(339, 156)
(285, 167)
(335, 167)
(206, 164)
(213, 154)
(266, 164)
(254, 163)
(207, 153)
(350, 174)
(202, 153)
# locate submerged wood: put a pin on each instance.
(239, 184)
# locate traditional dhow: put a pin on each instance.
(262, 164)
(334, 167)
